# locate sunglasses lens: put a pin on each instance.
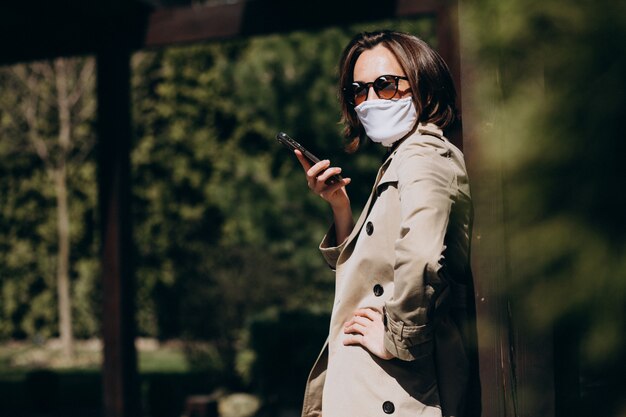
(359, 93)
(385, 87)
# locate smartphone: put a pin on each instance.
(292, 145)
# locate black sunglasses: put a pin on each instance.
(385, 87)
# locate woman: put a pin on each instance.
(395, 344)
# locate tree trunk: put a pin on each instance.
(60, 179)
(63, 278)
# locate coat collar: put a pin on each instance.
(389, 175)
(422, 129)
(430, 129)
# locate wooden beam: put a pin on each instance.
(190, 24)
(168, 26)
(411, 8)
(120, 380)
(46, 30)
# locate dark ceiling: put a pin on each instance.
(39, 29)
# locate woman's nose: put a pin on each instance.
(371, 93)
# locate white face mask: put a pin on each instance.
(386, 121)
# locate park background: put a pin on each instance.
(231, 293)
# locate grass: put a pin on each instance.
(21, 357)
(166, 359)
(36, 377)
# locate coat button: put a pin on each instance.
(378, 290)
(369, 228)
(388, 407)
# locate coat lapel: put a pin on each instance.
(347, 251)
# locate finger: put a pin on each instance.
(355, 328)
(306, 165)
(369, 313)
(362, 321)
(328, 173)
(332, 188)
(316, 169)
(357, 319)
(355, 339)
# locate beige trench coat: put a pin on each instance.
(407, 257)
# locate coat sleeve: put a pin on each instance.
(425, 188)
(329, 248)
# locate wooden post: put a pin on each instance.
(516, 363)
(447, 24)
(120, 380)
(488, 263)
(489, 254)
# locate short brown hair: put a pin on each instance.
(427, 72)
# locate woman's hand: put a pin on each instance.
(367, 329)
(335, 194)
(316, 176)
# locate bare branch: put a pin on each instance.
(87, 110)
(32, 96)
(30, 110)
(64, 114)
(40, 147)
(43, 69)
(84, 81)
(26, 78)
(38, 72)
(19, 72)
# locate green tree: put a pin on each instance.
(47, 108)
